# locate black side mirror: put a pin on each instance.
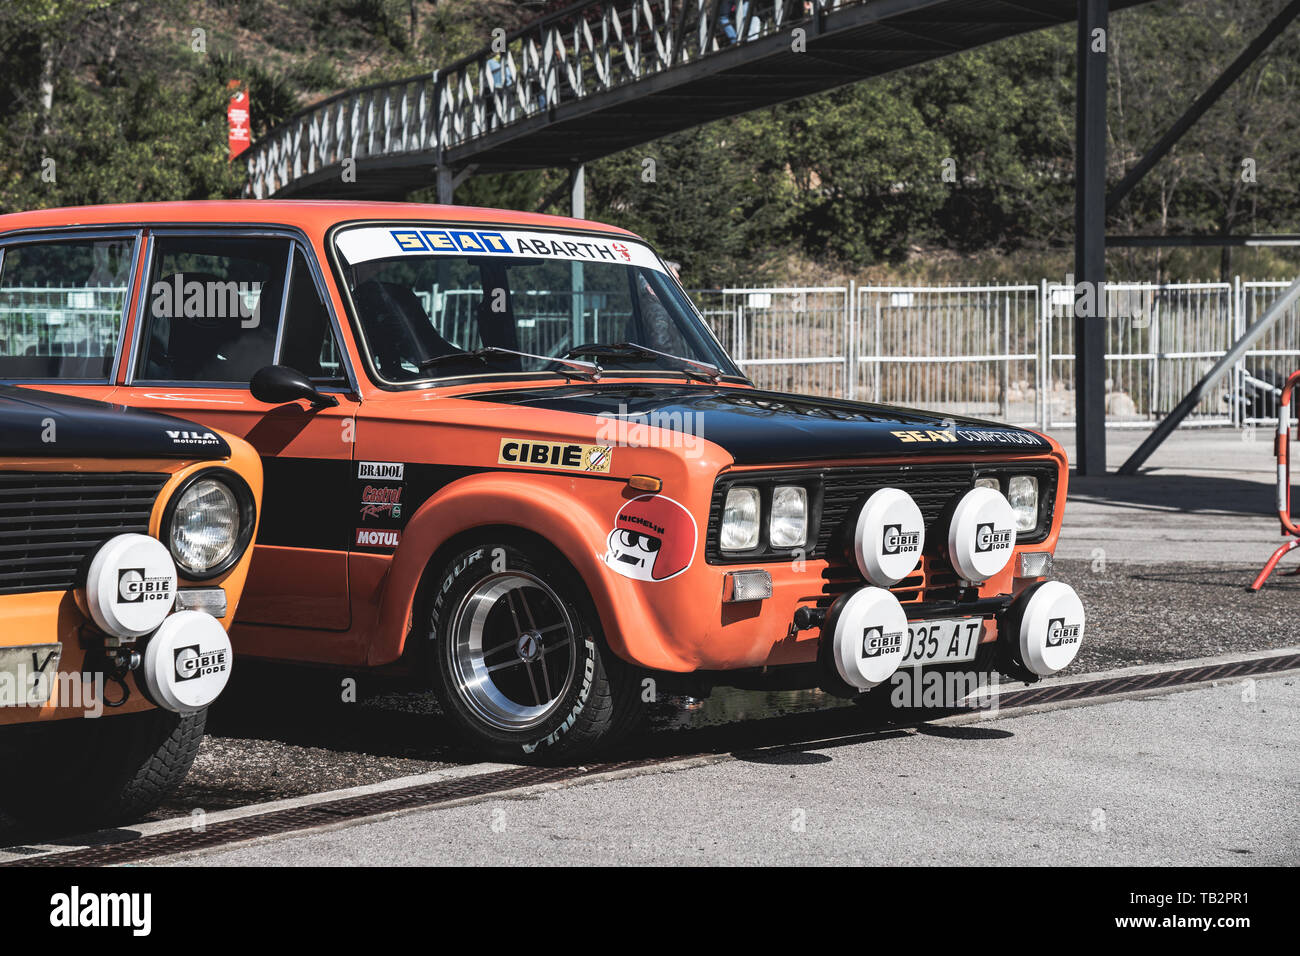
(279, 385)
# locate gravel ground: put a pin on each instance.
(1144, 614)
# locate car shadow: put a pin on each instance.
(1184, 494)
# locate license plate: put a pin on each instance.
(28, 673)
(942, 641)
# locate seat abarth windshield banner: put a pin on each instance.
(368, 243)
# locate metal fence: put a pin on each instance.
(60, 320)
(1006, 352)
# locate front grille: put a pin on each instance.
(52, 522)
(932, 488)
(842, 494)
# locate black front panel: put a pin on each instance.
(842, 493)
(52, 523)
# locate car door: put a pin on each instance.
(216, 306)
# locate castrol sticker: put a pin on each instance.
(982, 535)
(889, 537)
(653, 539)
(131, 585)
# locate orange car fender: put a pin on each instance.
(566, 522)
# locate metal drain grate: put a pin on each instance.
(1051, 693)
(277, 822)
(322, 814)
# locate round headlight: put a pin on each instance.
(740, 520)
(1022, 492)
(207, 530)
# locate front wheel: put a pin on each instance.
(518, 660)
(112, 769)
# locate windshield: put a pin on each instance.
(445, 303)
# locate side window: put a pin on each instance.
(61, 308)
(212, 308)
(308, 343)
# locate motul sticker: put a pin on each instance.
(653, 539)
(545, 454)
(378, 538)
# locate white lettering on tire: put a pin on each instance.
(588, 678)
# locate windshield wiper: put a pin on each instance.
(590, 370)
(636, 350)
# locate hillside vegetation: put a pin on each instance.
(958, 169)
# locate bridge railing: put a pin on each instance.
(570, 55)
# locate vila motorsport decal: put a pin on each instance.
(380, 485)
(544, 454)
(653, 539)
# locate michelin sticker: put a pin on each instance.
(653, 539)
(367, 243)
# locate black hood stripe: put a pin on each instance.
(761, 427)
(39, 424)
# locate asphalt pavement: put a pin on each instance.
(1201, 777)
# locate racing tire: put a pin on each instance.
(102, 771)
(518, 661)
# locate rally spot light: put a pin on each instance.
(865, 637)
(1044, 630)
(889, 537)
(982, 534)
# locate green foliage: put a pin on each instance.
(937, 167)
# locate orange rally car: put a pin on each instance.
(124, 543)
(505, 449)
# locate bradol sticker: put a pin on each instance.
(653, 539)
(381, 470)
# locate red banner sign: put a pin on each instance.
(238, 114)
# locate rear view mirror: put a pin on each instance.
(279, 385)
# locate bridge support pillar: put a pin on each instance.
(1090, 239)
(446, 186)
(578, 192)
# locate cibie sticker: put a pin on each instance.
(653, 539)
(368, 243)
(545, 454)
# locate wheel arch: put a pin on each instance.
(470, 511)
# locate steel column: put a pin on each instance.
(1090, 238)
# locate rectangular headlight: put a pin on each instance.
(788, 524)
(740, 519)
(1022, 492)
